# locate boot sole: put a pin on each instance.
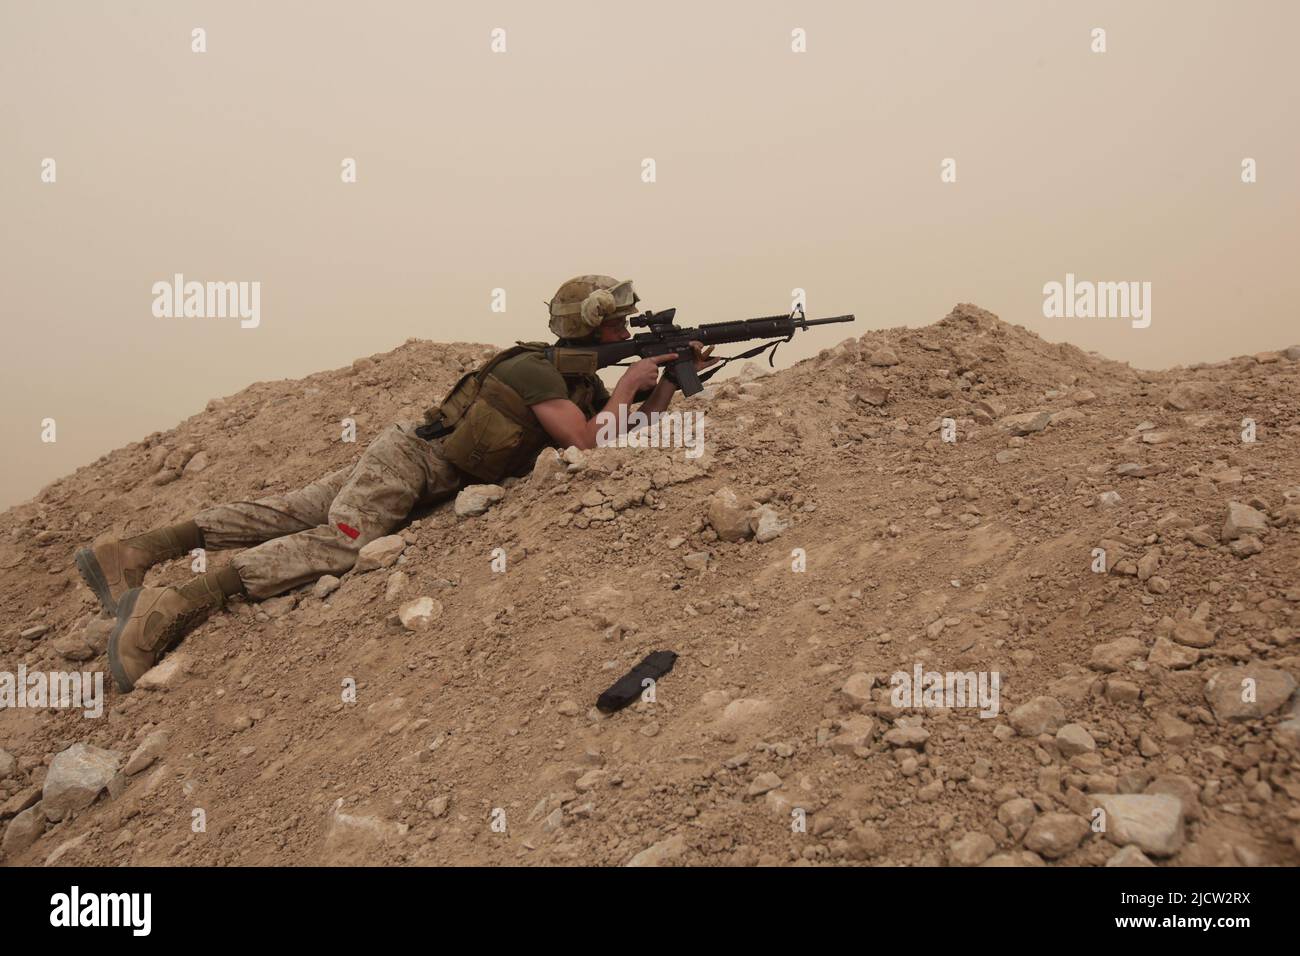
(93, 575)
(125, 607)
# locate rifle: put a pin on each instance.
(665, 338)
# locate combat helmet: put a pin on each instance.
(582, 303)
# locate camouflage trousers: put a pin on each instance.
(295, 538)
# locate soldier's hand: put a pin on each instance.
(702, 356)
(645, 373)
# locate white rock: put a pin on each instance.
(695, 560)
(1053, 835)
(547, 465)
(592, 780)
(1038, 716)
(72, 647)
(1129, 856)
(1151, 822)
(907, 736)
(476, 499)
(1173, 656)
(1114, 655)
(854, 733)
(857, 689)
(883, 356)
(1247, 693)
(729, 516)
(397, 582)
(97, 632)
(325, 586)
(149, 750)
(1073, 739)
(1242, 520)
(354, 838)
(766, 524)
(165, 675)
(76, 777)
(417, 615)
(23, 830)
(972, 849)
(1193, 633)
(380, 553)
(1017, 815)
(1026, 423)
(745, 708)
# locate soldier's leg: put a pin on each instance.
(111, 566)
(398, 470)
(395, 472)
(242, 524)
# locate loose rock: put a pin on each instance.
(419, 614)
(476, 499)
(1246, 693)
(76, 777)
(380, 553)
(729, 516)
(1151, 822)
(1053, 835)
(1042, 715)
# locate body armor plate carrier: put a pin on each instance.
(486, 429)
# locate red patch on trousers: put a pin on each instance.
(348, 530)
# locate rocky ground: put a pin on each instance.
(1100, 537)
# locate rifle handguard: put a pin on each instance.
(664, 337)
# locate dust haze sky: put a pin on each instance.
(775, 170)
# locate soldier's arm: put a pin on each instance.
(662, 396)
(565, 423)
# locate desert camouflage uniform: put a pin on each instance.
(295, 538)
(484, 430)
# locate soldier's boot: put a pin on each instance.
(111, 567)
(150, 620)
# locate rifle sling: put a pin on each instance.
(723, 360)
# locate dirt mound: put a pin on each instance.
(1101, 538)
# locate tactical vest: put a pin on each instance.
(487, 431)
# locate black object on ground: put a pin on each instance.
(628, 687)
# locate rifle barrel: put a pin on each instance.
(836, 318)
